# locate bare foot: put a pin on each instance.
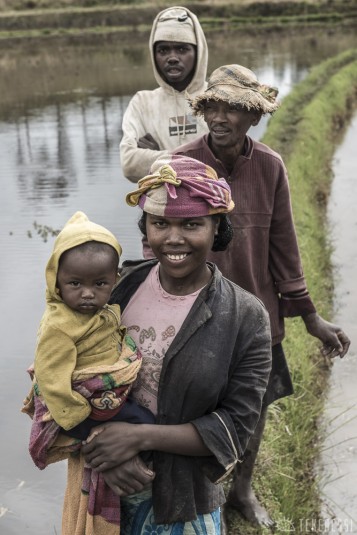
(249, 506)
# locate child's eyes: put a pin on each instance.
(74, 283)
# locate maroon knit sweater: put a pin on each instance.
(263, 256)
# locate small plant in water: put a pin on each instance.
(44, 231)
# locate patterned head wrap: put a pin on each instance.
(238, 86)
(182, 187)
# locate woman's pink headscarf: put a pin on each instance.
(182, 187)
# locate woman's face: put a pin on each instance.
(182, 245)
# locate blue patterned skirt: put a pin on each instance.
(137, 518)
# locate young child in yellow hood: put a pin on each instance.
(85, 363)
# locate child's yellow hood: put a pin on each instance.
(76, 231)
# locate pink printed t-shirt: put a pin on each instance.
(153, 318)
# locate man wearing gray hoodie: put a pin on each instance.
(158, 121)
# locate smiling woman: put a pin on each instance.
(206, 352)
(182, 246)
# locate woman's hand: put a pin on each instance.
(128, 478)
(335, 341)
(112, 444)
(117, 442)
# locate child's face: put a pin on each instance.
(85, 279)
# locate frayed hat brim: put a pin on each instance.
(239, 87)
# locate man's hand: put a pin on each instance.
(148, 142)
(335, 341)
(128, 478)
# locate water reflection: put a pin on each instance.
(53, 145)
(60, 126)
(50, 71)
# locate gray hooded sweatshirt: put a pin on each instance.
(163, 112)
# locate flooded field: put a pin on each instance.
(60, 126)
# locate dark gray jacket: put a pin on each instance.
(214, 375)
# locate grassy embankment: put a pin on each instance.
(305, 131)
(46, 18)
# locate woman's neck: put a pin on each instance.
(185, 285)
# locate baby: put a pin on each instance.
(85, 363)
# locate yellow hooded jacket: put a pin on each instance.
(69, 341)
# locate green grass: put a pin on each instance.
(305, 131)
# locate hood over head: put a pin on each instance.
(78, 229)
(176, 26)
(179, 24)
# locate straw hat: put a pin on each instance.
(238, 86)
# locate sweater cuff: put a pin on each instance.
(291, 306)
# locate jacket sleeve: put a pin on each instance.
(55, 361)
(284, 256)
(136, 162)
(227, 430)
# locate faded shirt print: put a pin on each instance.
(183, 125)
(153, 318)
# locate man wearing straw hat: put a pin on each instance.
(263, 256)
